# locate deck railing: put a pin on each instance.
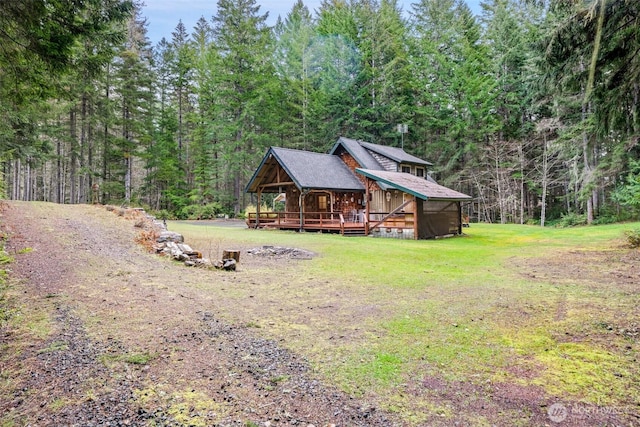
(328, 220)
(309, 219)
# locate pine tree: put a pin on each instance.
(292, 61)
(240, 86)
(134, 87)
(384, 91)
(206, 63)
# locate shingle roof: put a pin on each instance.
(394, 153)
(362, 156)
(415, 185)
(309, 170)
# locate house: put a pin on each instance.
(358, 188)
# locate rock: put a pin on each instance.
(229, 264)
(170, 236)
(185, 248)
(280, 252)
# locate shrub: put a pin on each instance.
(572, 219)
(209, 211)
(253, 209)
(633, 237)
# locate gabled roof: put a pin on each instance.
(414, 185)
(362, 156)
(307, 170)
(394, 153)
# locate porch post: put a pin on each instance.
(416, 219)
(459, 217)
(300, 208)
(258, 203)
(366, 207)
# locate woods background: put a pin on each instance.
(531, 107)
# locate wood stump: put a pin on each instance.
(231, 254)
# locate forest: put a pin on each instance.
(530, 107)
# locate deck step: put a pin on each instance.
(354, 233)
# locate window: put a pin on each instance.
(406, 169)
(420, 172)
(322, 203)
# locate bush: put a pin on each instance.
(253, 209)
(633, 237)
(571, 220)
(606, 219)
(209, 211)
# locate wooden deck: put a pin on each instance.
(329, 222)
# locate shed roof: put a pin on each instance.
(307, 170)
(414, 185)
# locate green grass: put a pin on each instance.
(376, 314)
(129, 358)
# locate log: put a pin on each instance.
(231, 254)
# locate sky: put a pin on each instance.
(163, 15)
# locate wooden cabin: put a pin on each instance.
(358, 188)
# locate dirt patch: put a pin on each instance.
(619, 267)
(609, 273)
(133, 343)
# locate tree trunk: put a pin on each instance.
(545, 181)
(73, 158)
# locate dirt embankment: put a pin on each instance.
(110, 335)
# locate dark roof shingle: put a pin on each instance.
(310, 170)
(362, 156)
(415, 185)
(394, 153)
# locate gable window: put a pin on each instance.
(406, 169)
(420, 172)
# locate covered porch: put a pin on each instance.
(319, 192)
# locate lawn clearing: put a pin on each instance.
(496, 325)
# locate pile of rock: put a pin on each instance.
(281, 252)
(172, 244)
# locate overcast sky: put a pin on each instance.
(163, 15)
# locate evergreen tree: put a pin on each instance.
(337, 63)
(206, 62)
(240, 86)
(292, 60)
(44, 43)
(134, 88)
(384, 91)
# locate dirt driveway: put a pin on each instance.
(101, 333)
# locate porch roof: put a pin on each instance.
(414, 185)
(306, 170)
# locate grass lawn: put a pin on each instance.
(448, 326)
